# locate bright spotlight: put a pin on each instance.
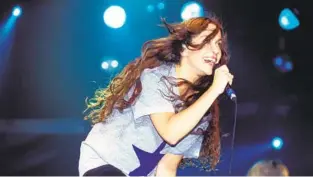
(278, 61)
(161, 5)
(114, 16)
(190, 10)
(114, 63)
(288, 66)
(150, 8)
(105, 65)
(288, 20)
(17, 11)
(283, 63)
(277, 143)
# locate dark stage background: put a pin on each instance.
(51, 61)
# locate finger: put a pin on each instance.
(225, 72)
(224, 68)
(228, 75)
(230, 79)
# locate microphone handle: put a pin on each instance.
(230, 93)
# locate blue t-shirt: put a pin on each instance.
(128, 140)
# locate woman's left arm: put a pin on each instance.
(168, 165)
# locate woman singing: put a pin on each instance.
(162, 107)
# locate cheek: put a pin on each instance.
(219, 56)
(196, 58)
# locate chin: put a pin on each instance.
(207, 70)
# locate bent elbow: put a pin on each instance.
(171, 140)
(172, 143)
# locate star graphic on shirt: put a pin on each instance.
(147, 160)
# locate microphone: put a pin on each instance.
(230, 93)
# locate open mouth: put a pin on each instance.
(210, 61)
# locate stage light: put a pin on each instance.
(278, 61)
(114, 63)
(161, 5)
(105, 65)
(288, 20)
(114, 16)
(150, 8)
(191, 9)
(288, 66)
(283, 63)
(277, 143)
(17, 11)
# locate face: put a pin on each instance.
(202, 61)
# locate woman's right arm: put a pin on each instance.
(173, 127)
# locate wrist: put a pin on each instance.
(213, 92)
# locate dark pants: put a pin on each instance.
(104, 170)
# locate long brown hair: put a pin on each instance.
(154, 53)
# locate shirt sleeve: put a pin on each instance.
(152, 98)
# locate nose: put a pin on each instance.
(215, 49)
(215, 54)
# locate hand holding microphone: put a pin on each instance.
(222, 81)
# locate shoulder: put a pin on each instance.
(152, 74)
(162, 70)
